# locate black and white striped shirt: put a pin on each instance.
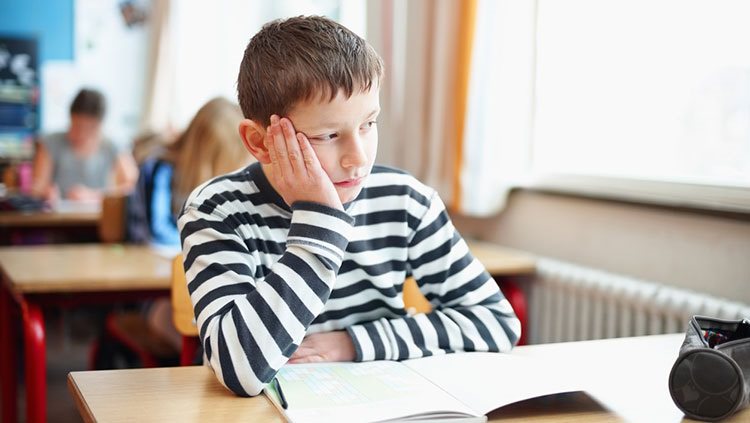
(261, 275)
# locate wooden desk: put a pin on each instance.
(39, 276)
(66, 213)
(48, 219)
(68, 222)
(629, 376)
(502, 261)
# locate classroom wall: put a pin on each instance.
(49, 20)
(83, 43)
(688, 249)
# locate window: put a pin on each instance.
(208, 40)
(652, 91)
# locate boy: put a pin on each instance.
(302, 256)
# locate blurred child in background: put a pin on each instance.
(150, 144)
(81, 164)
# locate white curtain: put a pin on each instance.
(498, 134)
(418, 42)
(160, 68)
(472, 143)
(196, 49)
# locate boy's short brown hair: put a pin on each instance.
(299, 59)
(90, 103)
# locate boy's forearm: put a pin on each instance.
(490, 327)
(250, 328)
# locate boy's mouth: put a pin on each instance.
(348, 183)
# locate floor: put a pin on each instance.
(69, 336)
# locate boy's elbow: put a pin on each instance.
(241, 385)
(252, 391)
(513, 331)
(238, 378)
(508, 334)
(517, 331)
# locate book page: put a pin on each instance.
(487, 381)
(370, 391)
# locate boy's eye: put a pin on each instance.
(369, 124)
(324, 137)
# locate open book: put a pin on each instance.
(461, 387)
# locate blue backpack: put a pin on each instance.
(138, 210)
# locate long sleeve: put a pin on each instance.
(251, 317)
(470, 313)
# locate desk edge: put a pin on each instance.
(83, 407)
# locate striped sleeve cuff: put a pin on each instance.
(321, 227)
(373, 341)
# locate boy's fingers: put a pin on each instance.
(315, 358)
(272, 153)
(292, 146)
(308, 154)
(281, 152)
(302, 353)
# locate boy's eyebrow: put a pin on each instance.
(329, 124)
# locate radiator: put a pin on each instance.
(569, 302)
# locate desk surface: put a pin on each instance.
(43, 219)
(630, 379)
(84, 267)
(66, 213)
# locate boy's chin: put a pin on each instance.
(348, 195)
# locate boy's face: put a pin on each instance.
(344, 136)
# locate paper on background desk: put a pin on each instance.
(78, 206)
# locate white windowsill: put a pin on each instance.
(677, 194)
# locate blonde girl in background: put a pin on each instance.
(210, 146)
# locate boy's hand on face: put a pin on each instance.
(325, 346)
(297, 173)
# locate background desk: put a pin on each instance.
(501, 261)
(629, 376)
(65, 213)
(48, 219)
(67, 221)
(35, 277)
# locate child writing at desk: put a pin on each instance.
(81, 164)
(302, 256)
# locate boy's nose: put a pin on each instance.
(354, 154)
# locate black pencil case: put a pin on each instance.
(710, 380)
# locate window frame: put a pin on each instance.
(700, 196)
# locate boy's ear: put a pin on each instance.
(253, 134)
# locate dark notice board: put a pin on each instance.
(19, 96)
